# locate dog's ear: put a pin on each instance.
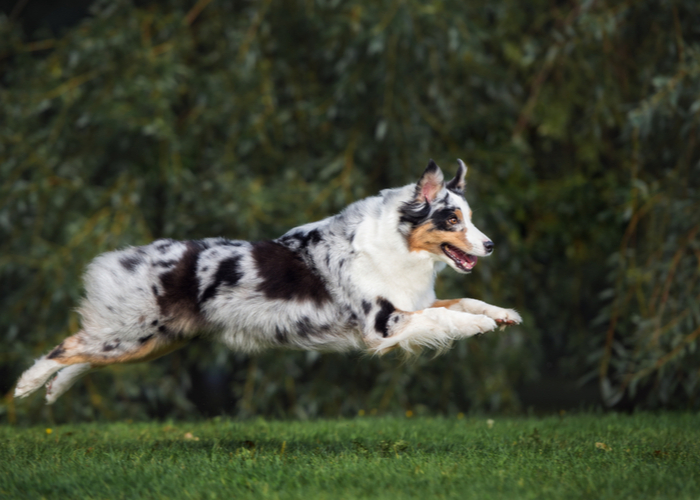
(430, 183)
(457, 184)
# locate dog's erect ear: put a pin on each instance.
(430, 183)
(457, 184)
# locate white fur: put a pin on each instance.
(64, 380)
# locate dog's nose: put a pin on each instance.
(488, 246)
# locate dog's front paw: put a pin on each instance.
(480, 323)
(506, 317)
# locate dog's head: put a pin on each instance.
(438, 220)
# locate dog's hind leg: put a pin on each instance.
(36, 376)
(64, 380)
(82, 352)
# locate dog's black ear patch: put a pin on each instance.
(228, 274)
(414, 212)
(458, 184)
(381, 320)
(181, 285)
(131, 263)
(286, 276)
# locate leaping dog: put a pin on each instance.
(360, 280)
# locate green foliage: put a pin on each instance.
(581, 456)
(168, 120)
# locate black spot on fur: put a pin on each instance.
(351, 237)
(228, 243)
(57, 352)
(280, 335)
(227, 274)
(154, 322)
(110, 308)
(166, 263)
(286, 276)
(381, 320)
(440, 218)
(162, 329)
(303, 239)
(315, 236)
(110, 347)
(164, 245)
(205, 269)
(145, 339)
(304, 327)
(155, 290)
(366, 306)
(181, 285)
(131, 263)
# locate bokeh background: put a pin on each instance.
(122, 122)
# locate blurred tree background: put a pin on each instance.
(122, 122)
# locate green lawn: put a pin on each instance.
(574, 456)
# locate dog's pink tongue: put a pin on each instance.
(470, 261)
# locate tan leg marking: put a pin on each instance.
(445, 303)
(72, 351)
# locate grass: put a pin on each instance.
(572, 456)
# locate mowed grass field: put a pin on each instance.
(571, 456)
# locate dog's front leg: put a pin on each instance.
(432, 328)
(499, 314)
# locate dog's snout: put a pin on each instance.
(488, 246)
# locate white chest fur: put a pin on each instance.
(384, 267)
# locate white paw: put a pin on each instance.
(25, 388)
(478, 323)
(505, 317)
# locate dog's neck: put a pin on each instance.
(384, 266)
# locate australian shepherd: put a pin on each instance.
(360, 280)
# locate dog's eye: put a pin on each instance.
(453, 220)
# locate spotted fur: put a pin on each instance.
(360, 280)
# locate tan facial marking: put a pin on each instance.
(426, 237)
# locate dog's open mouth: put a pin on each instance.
(463, 260)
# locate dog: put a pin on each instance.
(360, 280)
